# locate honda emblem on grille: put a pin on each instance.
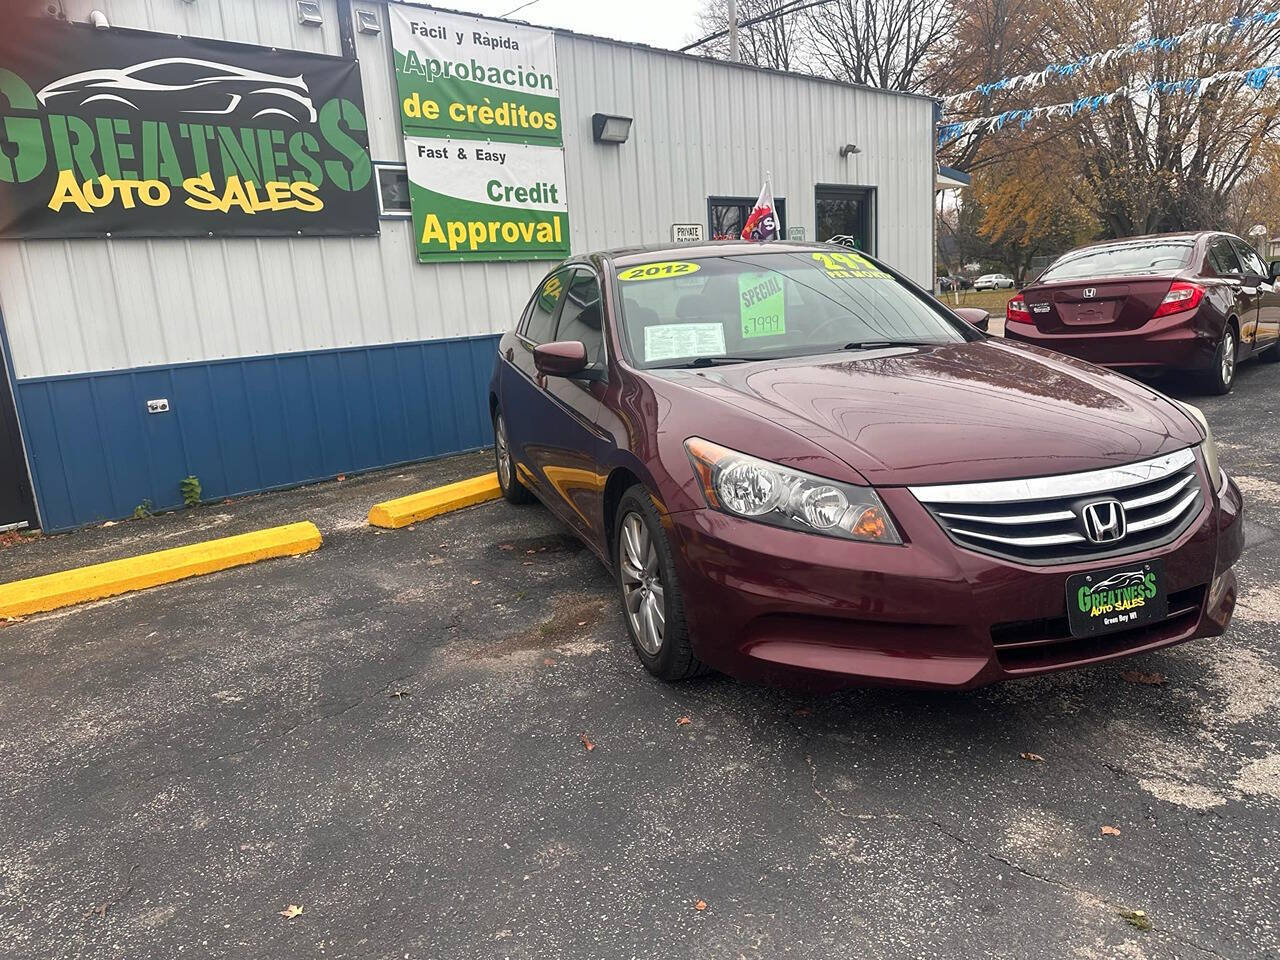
(1104, 521)
(1090, 292)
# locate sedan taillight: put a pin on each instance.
(1015, 311)
(1182, 296)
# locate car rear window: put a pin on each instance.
(1117, 259)
(767, 305)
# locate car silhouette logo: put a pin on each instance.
(191, 87)
(1090, 291)
(1104, 521)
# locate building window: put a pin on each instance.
(727, 215)
(846, 214)
(393, 191)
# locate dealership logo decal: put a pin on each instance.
(1127, 590)
(1104, 521)
(198, 87)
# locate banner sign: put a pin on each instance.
(128, 133)
(473, 200)
(461, 77)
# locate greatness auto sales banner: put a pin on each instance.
(138, 134)
(480, 112)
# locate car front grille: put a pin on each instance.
(1031, 645)
(1039, 520)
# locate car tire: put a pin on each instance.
(513, 491)
(650, 590)
(1222, 374)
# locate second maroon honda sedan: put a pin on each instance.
(803, 468)
(1197, 302)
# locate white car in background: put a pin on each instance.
(993, 281)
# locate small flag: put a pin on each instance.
(762, 224)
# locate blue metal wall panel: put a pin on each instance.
(247, 425)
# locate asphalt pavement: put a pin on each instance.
(437, 742)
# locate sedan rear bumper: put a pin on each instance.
(1175, 342)
(779, 606)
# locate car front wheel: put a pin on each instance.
(652, 604)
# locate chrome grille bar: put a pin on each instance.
(1038, 520)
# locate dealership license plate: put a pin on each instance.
(1118, 598)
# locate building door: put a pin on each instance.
(17, 507)
(845, 214)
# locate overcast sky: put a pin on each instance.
(659, 23)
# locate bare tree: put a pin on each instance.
(880, 43)
(778, 41)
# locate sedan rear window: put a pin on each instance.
(768, 305)
(1118, 259)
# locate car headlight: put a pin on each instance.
(756, 489)
(1208, 447)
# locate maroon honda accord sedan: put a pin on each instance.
(802, 468)
(1198, 302)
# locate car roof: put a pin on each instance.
(627, 256)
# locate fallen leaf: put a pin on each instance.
(1111, 831)
(803, 711)
(587, 743)
(341, 477)
(548, 662)
(1136, 918)
(291, 911)
(582, 623)
(398, 694)
(683, 721)
(506, 546)
(475, 583)
(109, 523)
(1035, 757)
(1143, 679)
(700, 905)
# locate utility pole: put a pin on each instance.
(733, 31)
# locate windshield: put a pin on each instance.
(1144, 256)
(761, 306)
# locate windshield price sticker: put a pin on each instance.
(668, 341)
(850, 266)
(659, 271)
(762, 304)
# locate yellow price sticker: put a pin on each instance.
(659, 271)
(850, 266)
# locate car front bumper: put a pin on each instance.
(1175, 342)
(798, 609)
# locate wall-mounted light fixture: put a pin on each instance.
(309, 13)
(367, 22)
(606, 128)
(848, 150)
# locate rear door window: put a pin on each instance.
(540, 324)
(580, 317)
(1222, 258)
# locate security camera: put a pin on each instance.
(99, 20)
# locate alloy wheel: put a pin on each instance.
(642, 589)
(1228, 356)
(502, 452)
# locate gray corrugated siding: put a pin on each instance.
(700, 129)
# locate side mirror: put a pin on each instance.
(1274, 271)
(975, 316)
(563, 358)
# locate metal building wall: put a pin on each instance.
(288, 360)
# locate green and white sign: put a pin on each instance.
(473, 200)
(465, 77)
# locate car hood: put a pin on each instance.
(958, 413)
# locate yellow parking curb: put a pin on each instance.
(420, 506)
(100, 580)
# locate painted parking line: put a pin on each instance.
(430, 503)
(114, 577)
